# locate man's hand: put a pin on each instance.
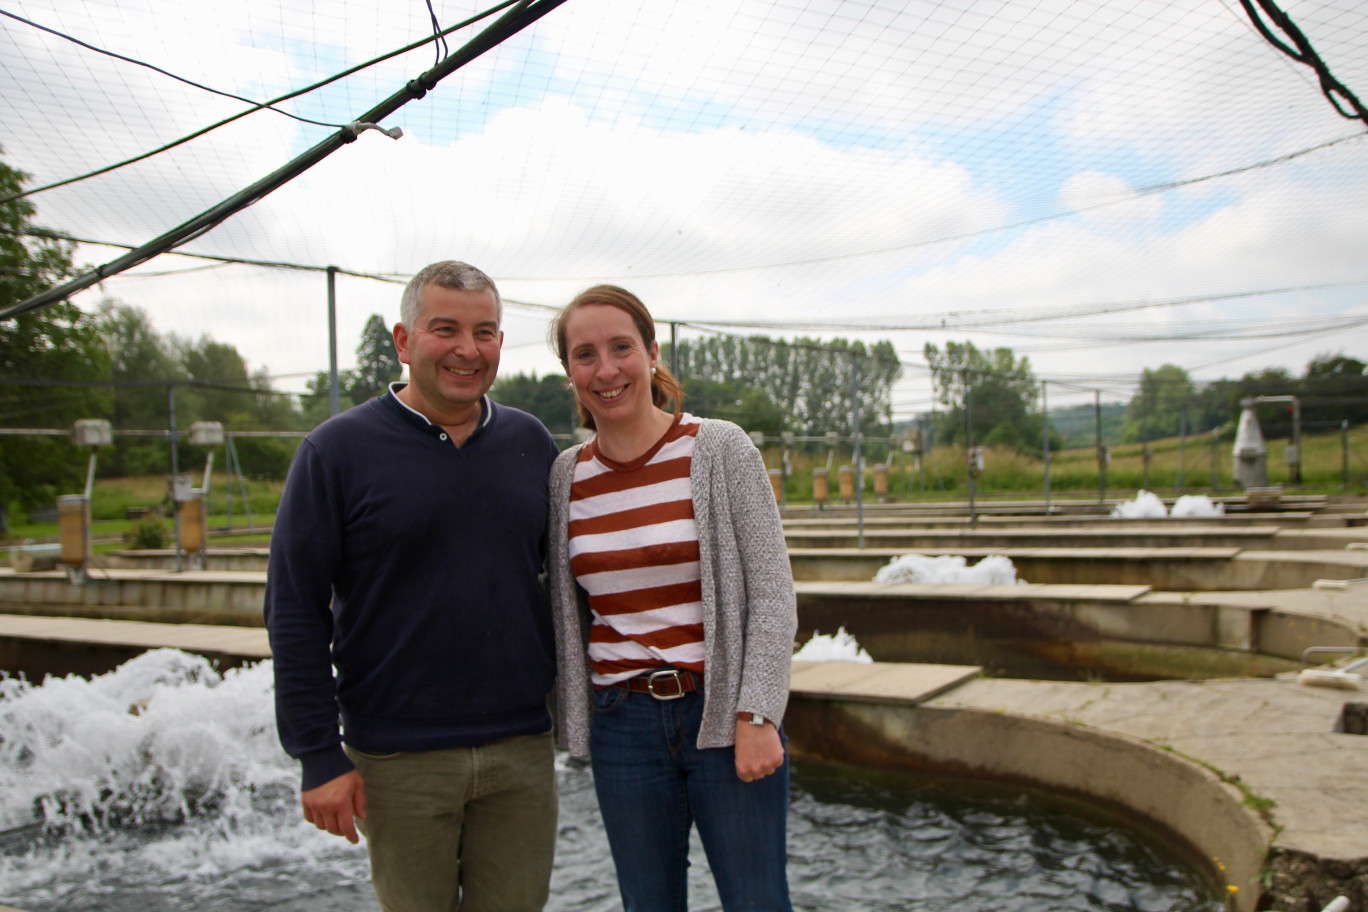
(758, 749)
(334, 805)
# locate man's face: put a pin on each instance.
(452, 351)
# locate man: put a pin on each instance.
(406, 554)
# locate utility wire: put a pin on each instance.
(256, 106)
(523, 14)
(156, 69)
(959, 319)
(983, 232)
(47, 234)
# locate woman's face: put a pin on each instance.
(609, 364)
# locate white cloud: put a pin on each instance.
(688, 149)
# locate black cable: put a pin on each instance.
(523, 14)
(439, 45)
(156, 69)
(504, 4)
(1305, 54)
(982, 232)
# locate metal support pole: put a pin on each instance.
(1296, 440)
(855, 424)
(175, 471)
(242, 484)
(334, 394)
(228, 471)
(1215, 438)
(968, 452)
(1182, 447)
(1045, 413)
(674, 350)
(1344, 451)
(1101, 464)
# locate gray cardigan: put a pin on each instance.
(750, 614)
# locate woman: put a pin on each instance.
(675, 617)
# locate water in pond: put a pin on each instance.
(161, 787)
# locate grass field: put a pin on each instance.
(1331, 463)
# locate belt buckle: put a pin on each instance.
(668, 673)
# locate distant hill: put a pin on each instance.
(1077, 425)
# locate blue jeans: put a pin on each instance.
(653, 783)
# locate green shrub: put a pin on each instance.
(149, 532)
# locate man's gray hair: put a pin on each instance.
(446, 274)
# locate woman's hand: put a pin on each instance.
(758, 749)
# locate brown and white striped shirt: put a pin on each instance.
(633, 546)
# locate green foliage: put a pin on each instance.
(148, 532)
(809, 381)
(1156, 408)
(1076, 426)
(997, 389)
(377, 362)
(265, 457)
(57, 346)
(210, 381)
(747, 406)
(1335, 389)
(377, 366)
(549, 398)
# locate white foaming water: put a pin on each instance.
(160, 771)
(1145, 506)
(1196, 505)
(838, 647)
(161, 787)
(1149, 506)
(993, 570)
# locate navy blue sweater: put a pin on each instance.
(411, 566)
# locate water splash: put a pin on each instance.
(160, 740)
(838, 647)
(161, 787)
(162, 771)
(993, 570)
(1150, 506)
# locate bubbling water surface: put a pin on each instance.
(161, 787)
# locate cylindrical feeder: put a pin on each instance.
(190, 512)
(881, 480)
(819, 486)
(73, 528)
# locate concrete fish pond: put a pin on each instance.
(159, 786)
(1177, 709)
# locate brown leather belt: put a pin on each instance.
(666, 684)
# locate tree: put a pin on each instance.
(51, 345)
(1335, 389)
(377, 366)
(1156, 410)
(998, 389)
(549, 399)
(222, 395)
(747, 406)
(377, 362)
(141, 364)
(808, 380)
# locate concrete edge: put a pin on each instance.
(1169, 793)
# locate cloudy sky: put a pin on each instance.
(1102, 186)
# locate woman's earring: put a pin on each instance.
(653, 370)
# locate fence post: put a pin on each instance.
(1344, 451)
